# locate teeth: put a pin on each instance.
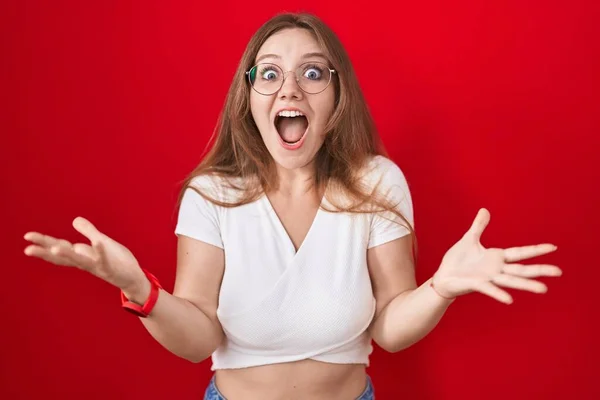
(292, 114)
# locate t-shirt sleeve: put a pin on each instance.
(386, 225)
(199, 219)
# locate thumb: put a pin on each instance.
(481, 221)
(87, 229)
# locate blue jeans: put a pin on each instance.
(212, 393)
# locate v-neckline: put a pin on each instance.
(281, 228)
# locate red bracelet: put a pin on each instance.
(144, 310)
(438, 293)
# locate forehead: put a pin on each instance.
(289, 45)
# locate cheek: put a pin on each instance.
(259, 107)
(325, 105)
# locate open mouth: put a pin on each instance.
(291, 127)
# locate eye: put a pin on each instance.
(313, 73)
(268, 73)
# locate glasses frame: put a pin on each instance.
(331, 73)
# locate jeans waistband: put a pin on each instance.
(212, 392)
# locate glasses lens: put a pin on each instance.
(266, 78)
(313, 77)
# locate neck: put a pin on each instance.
(298, 181)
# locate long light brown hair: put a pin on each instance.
(351, 138)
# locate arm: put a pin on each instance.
(185, 322)
(405, 313)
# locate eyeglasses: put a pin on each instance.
(312, 77)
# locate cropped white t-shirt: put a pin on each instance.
(279, 305)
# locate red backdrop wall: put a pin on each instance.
(107, 105)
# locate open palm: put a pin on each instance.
(470, 267)
(103, 257)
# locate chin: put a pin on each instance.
(293, 161)
(291, 165)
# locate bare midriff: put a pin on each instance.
(306, 379)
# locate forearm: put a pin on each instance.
(180, 326)
(408, 318)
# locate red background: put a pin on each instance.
(106, 107)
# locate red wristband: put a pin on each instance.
(144, 310)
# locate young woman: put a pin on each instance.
(295, 237)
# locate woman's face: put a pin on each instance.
(292, 121)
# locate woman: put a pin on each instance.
(295, 237)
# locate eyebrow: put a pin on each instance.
(304, 56)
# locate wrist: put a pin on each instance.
(440, 291)
(141, 298)
(138, 292)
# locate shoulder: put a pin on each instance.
(387, 183)
(217, 187)
(380, 171)
(206, 182)
(381, 163)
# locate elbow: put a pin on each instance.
(393, 343)
(197, 353)
(391, 347)
(390, 343)
(196, 359)
(206, 350)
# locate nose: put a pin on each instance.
(289, 88)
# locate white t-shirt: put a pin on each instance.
(278, 305)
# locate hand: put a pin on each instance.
(104, 258)
(469, 267)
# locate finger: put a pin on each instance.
(100, 250)
(44, 240)
(481, 221)
(101, 256)
(521, 253)
(85, 250)
(516, 282)
(532, 271)
(87, 229)
(46, 255)
(79, 260)
(489, 289)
